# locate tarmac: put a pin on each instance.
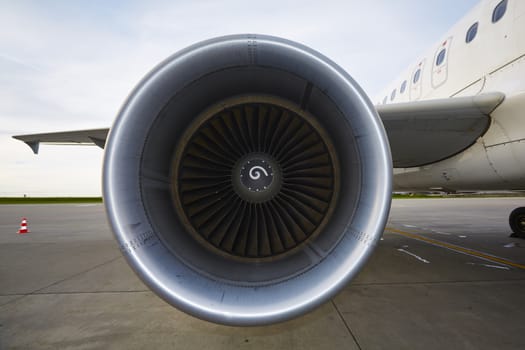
(446, 275)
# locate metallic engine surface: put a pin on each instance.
(138, 189)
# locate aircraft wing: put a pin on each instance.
(425, 132)
(420, 132)
(80, 137)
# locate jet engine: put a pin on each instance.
(247, 179)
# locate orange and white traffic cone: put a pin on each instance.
(23, 227)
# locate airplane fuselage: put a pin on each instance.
(484, 52)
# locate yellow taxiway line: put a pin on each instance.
(456, 248)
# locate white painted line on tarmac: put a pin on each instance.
(499, 267)
(414, 255)
(442, 233)
(456, 248)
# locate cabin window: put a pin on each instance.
(417, 75)
(403, 87)
(393, 95)
(441, 57)
(472, 32)
(499, 11)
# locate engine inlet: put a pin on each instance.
(247, 179)
(255, 180)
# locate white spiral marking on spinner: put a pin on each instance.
(256, 175)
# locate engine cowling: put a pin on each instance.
(247, 179)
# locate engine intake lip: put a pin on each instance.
(257, 178)
(138, 181)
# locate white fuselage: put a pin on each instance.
(494, 61)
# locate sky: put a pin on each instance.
(69, 65)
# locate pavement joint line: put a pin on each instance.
(382, 284)
(81, 292)
(457, 248)
(36, 291)
(346, 324)
(378, 284)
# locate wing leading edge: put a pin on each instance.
(421, 132)
(80, 137)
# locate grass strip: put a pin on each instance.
(49, 200)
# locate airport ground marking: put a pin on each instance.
(457, 248)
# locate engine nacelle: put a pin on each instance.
(247, 179)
